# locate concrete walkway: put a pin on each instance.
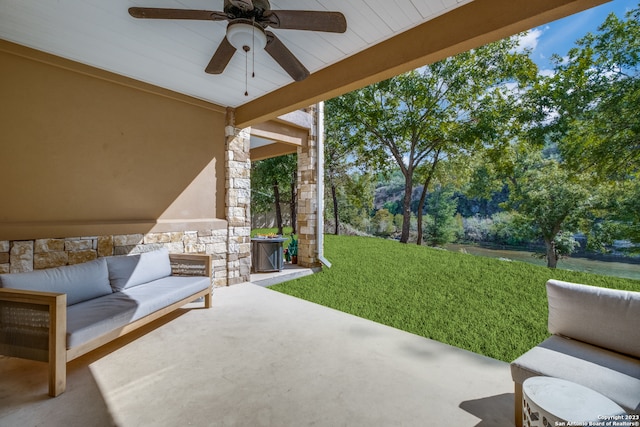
(261, 358)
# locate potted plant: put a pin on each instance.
(293, 249)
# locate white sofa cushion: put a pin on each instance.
(81, 282)
(612, 374)
(607, 318)
(128, 271)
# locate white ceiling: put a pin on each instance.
(174, 54)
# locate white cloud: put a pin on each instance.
(530, 40)
(547, 72)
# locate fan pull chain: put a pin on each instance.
(253, 48)
(246, 69)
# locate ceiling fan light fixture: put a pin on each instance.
(242, 35)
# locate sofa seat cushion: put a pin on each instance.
(160, 293)
(90, 319)
(81, 282)
(615, 375)
(128, 271)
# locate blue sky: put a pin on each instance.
(560, 36)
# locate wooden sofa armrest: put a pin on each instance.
(33, 325)
(193, 265)
(190, 265)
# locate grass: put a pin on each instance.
(483, 305)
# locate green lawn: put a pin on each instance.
(484, 305)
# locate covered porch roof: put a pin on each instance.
(383, 39)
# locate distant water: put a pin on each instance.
(617, 269)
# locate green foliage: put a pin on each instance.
(266, 173)
(476, 229)
(510, 229)
(338, 161)
(393, 207)
(397, 221)
(502, 228)
(444, 109)
(565, 244)
(596, 95)
(440, 224)
(619, 218)
(484, 305)
(549, 196)
(545, 195)
(355, 200)
(293, 246)
(590, 108)
(382, 223)
(565, 148)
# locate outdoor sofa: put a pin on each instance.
(595, 342)
(56, 315)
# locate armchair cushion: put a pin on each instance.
(603, 317)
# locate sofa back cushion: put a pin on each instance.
(127, 271)
(604, 317)
(81, 282)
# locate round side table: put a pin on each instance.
(554, 402)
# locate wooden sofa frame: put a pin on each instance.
(55, 305)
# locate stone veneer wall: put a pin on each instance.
(29, 255)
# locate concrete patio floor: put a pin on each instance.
(261, 358)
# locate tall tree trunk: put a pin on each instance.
(436, 229)
(334, 196)
(276, 195)
(294, 202)
(423, 196)
(406, 206)
(552, 255)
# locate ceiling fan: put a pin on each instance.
(247, 28)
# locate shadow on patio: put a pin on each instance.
(261, 358)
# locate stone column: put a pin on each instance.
(307, 199)
(238, 201)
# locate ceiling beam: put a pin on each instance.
(272, 150)
(464, 28)
(281, 132)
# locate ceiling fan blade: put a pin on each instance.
(162, 13)
(285, 58)
(331, 22)
(221, 58)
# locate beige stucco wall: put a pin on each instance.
(84, 152)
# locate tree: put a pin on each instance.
(441, 224)
(589, 106)
(382, 223)
(603, 134)
(550, 198)
(405, 120)
(338, 149)
(268, 177)
(595, 93)
(427, 173)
